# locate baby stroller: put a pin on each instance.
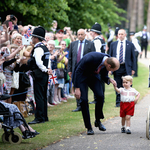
(9, 135)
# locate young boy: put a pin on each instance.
(129, 97)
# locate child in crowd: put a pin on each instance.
(129, 97)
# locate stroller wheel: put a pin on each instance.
(15, 138)
(5, 137)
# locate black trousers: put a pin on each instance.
(40, 95)
(144, 46)
(117, 77)
(136, 59)
(95, 85)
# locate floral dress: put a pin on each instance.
(11, 122)
(8, 75)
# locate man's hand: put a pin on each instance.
(49, 71)
(113, 82)
(77, 93)
(70, 74)
(133, 72)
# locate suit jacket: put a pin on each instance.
(130, 61)
(73, 50)
(86, 69)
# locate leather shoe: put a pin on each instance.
(35, 133)
(35, 122)
(100, 125)
(77, 109)
(93, 102)
(90, 132)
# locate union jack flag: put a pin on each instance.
(52, 78)
(28, 33)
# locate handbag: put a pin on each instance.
(25, 80)
(15, 80)
(60, 73)
(2, 78)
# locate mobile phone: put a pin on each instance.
(1, 28)
(10, 25)
(26, 41)
(65, 32)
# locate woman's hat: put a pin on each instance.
(39, 32)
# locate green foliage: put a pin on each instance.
(74, 13)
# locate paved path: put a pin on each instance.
(112, 138)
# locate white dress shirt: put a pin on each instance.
(97, 44)
(83, 42)
(111, 36)
(118, 49)
(38, 53)
(136, 44)
(140, 33)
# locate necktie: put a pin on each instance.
(79, 52)
(99, 69)
(121, 53)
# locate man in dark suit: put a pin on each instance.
(77, 50)
(86, 74)
(123, 50)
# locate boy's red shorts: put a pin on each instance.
(126, 108)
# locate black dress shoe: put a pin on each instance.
(90, 132)
(77, 109)
(100, 125)
(35, 133)
(36, 121)
(93, 102)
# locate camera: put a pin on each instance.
(12, 18)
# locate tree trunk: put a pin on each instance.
(148, 18)
(129, 10)
(133, 16)
(140, 19)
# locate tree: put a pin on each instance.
(133, 16)
(148, 18)
(140, 17)
(85, 14)
(73, 13)
(35, 12)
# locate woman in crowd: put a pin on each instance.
(62, 62)
(52, 89)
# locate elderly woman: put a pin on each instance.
(52, 88)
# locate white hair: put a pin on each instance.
(47, 34)
(51, 42)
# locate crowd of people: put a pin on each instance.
(43, 54)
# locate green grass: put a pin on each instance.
(63, 123)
